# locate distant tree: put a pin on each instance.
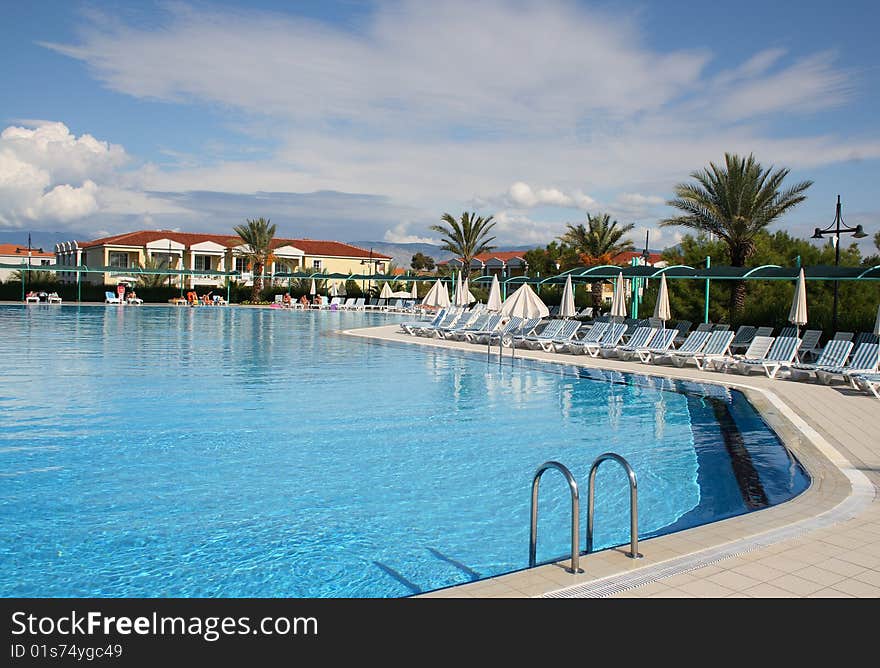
(420, 262)
(877, 241)
(466, 237)
(599, 242)
(735, 201)
(543, 260)
(257, 236)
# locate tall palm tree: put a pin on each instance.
(734, 202)
(466, 237)
(599, 242)
(152, 280)
(257, 236)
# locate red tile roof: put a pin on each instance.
(22, 251)
(497, 255)
(627, 256)
(308, 246)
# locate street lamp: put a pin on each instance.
(835, 229)
(371, 269)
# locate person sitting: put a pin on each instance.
(304, 301)
(285, 300)
(317, 302)
(206, 298)
(192, 298)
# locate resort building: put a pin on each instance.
(504, 264)
(22, 255)
(208, 253)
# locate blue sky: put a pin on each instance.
(368, 121)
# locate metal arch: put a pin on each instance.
(633, 503)
(575, 514)
(589, 270)
(763, 266)
(663, 270)
(868, 271)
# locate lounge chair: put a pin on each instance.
(360, 304)
(717, 347)
(781, 354)
(137, 301)
(721, 327)
(833, 355)
(843, 336)
(34, 299)
(683, 327)
(764, 331)
(484, 335)
(743, 337)
(787, 332)
(221, 301)
(533, 341)
(592, 335)
(473, 324)
(641, 338)
(410, 327)
(692, 344)
(112, 298)
(610, 339)
(864, 361)
(528, 327)
(757, 350)
(464, 318)
(810, 345)
(566, 333)
(870, 382)
(661, 344)
(864, 337)
(53, 298)
(348, 303)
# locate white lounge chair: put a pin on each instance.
(53, 298)
(610, 339)
(692, 344)
(592, 335)
(717, 347)
(112, 298)
(565, 334)
(533, 341)
(757, 350)
(661, 344)
(640, 338)
(833, 355)
(870, 382)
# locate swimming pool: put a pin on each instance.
(231, 452)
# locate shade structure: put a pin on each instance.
(798, 313)
(312, 289)
(618, 302)
(414, 290)
(524, 303)
(437, 295)
(661, 308)
(566, 306)
(386, 291)
(877, 323)
(494, 303)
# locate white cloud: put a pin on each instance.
(399, 235)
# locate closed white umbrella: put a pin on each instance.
(618, 302)
(438, 295)
(386, 291)
(566, 306)
(332, 291)
(414, 290)
(661, 308)
(465, 294)
(524, 303)
(312, 287)
(340, 291)
(877, 331)
(798, 314)
(494, 303)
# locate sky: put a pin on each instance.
(370, 120)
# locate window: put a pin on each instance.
(202, 262)
(241, 264)
(44, 263)
(118, 259)
(316, 265)
(380, 268)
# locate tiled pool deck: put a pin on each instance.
(824, 543)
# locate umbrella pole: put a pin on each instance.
(706, 305)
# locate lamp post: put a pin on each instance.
(835, 229)
(370, 264)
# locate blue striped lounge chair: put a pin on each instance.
(411, 326)
(864, 361)
(743, 337)
(474, 324)
(810, 345)
(566, 333)
(593, 334)
(528, 327)
(533, 342)
(499, 329)
(693, 343)
(639, 339)
(452, 316)
(833, 355)
(782, 353)
(610, 339)
(467, 317)
(717, 347)
(660, 345)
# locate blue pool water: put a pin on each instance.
(229, 452)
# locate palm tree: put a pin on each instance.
(598, 243)
(257, 236)
(466, 237)
(734, 202)
(152, 280)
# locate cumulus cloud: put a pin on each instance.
(400, 234)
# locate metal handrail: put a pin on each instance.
(633, 503)
(575, 496)
(501, 342)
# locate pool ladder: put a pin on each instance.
(575, 509)
(503, 340)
